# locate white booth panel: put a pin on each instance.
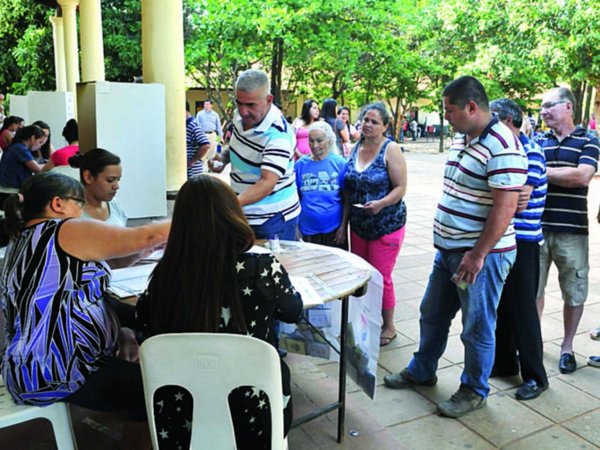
(19, 107)
(54, 108)
(129, 120)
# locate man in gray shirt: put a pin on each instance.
(210, 122)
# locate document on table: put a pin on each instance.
(310, 297)
(130, 281)
(155, 256)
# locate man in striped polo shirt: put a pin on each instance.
(260, 153)
(197, 144)
(572, 161)
(475, 243)
(518, 327)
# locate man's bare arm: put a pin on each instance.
(571, 177)
(259, 190)
(498, 220)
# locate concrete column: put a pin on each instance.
(58, 38)
(90, 33)
(163, 62)
(71, 50)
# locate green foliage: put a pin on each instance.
(122, 34)
(356, 51)
(26, 60)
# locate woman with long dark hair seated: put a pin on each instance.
(211, 279)
(8, 130)
(46, 149)
(61, 334)
(18, 163)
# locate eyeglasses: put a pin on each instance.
(80, 201)
(549, 105)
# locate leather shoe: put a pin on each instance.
(530, 390)
(403, 380)
(567, 363)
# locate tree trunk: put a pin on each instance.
(397, 121)
(441, 148)
(588, 102)
(276, 69)
(578, 93)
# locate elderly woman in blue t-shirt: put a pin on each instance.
(319, 177)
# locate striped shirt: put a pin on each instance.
(528, 223)
(566, 208)
(194, 138)
(268, 146)
(493, 160)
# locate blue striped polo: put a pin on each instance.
(566, 208)
(528, 223)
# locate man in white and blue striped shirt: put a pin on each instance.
(260, 153)
(518, 330)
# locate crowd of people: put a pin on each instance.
(511, 206)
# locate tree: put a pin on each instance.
(221, 39)
(27, 34)
(122, 35)
(26, 60)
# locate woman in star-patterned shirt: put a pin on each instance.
(210, 279)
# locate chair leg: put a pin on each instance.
(62, 426)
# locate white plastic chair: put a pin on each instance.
(57, 414)
(210, 366)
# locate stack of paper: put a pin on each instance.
(130, 281)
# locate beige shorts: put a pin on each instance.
(570, 254)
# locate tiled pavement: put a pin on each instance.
(567, 416)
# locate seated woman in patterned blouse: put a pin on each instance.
(61, 334)
(210, 279)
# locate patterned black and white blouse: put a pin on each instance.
(267, 295)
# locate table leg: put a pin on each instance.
(342, 377)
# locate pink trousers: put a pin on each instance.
(381, 254)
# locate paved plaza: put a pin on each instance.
(567, 416)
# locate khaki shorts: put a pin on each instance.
(570, 254)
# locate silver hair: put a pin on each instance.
(323, 126)
(505, 107)
(252, 80)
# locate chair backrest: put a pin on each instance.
(210, 366)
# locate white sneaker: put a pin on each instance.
(594, 361)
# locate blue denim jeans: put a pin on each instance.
(478, 302)
(277, 225)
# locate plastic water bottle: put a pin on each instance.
(274, 243)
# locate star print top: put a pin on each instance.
(266, 294)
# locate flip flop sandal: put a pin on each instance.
(386, 340)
